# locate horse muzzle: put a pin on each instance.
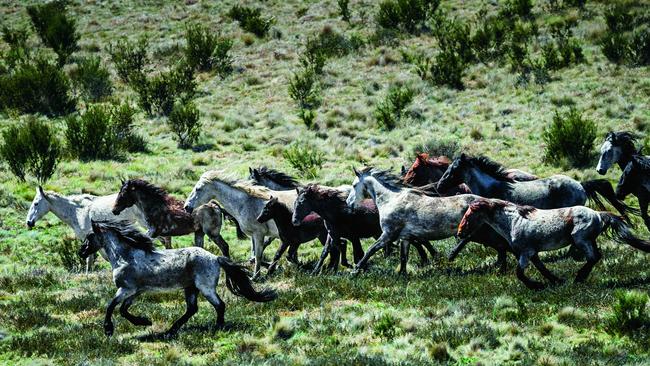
(116, 211)
(296, 222)
(188, 209)
(29, 224)
(601, 171)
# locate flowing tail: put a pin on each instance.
(240, 284)
(601, 187)
(618, 231)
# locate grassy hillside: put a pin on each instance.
(449, 313)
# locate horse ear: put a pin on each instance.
(40, 190)
(298, 190)
(463, 157)
(250, 170)
(403, 171)
(356, 172)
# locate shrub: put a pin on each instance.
(206, 50)
(629, 312)
(37, 87)
(184, 123)
(437, 147)
(31, 148)
(489, 39)
(390, 111)
(619, 18)
(251, 20)
(102, 132)
(344, 9)
(129, 58)
(640, 47)
(303, 89)
(55, 28)
(66, 250)
(408, 15)
(569, 138)
(448, 68)
(615, 47)
(18, 51)
(158, 94)
(328, 43)
(521, 8)
(306, 159)
(92, 78)
(454, 35)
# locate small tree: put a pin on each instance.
(18, 51)
(344, 9)
(389, 112)
(303, 89)
(251, 20)
(130, 58)
(55, 28)
(206, 50)
(184, 123)
(306, 159)
(31, 148)
(92, 78)
(569, 138)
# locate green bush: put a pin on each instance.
(158, 94)
(520, 8)
(327, 44)
(66, 250)
(18, 51)
(344, 9)
(251, 20)
(130, 58)
(206, 50)
(569, 138)
(184, 123)
(390, 111)
(628, 312)
(102, 132)
(55, 28)
(92, 79)
(408, 15)
(623, 43)
(306, 159)
(448, 68)
(304, 90)
(488, 41)
(640, 46)
(31, 148)
(619, 17)
(38, 86)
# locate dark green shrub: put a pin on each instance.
(640, 46)
(102, 132)
(628, 312)
(454, 35)
(66, 250)
(344, 9)
(391, 109)
(18, 51)
(306, 159)
(37, 87)
(92, 79)
(251, 20)
(408, 15)
(158, 94)
(206, 50)
(129, 58)
(55, 28)
(184, 123)
(31, 147)
(303, 89)
(489, 39)
(447, 146)
(448, 68)
(421, 62)
(569, 139)
(521, 8)
(615, 47)
(619, 17)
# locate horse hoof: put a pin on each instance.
(170, 334)
(108, 329)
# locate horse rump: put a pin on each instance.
(616, 229)
(602, 187)
(240, 284)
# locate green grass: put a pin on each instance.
(445, 313)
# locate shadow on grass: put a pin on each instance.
(201, 329)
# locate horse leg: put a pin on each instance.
(344, 251)
(221, 243)
(384, 239)
(134, 319)
(258, 246)
(521, 267)
(192, 307)
(424, 259)
(323, 255)
(268, 241)
(90, 262)
(335, 253)
(643, 206)
(198, 239)
(278, 254)
(219, 306)
(454, 252)
(403, 257)
(121, 294)
(502, 260)
(593, 256)
(545, 271)
(357, 250)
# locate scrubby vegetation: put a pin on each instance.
(56, 29)
(184, 123)
(488, 80)
(389, 112)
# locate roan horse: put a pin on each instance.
(619, 148)
(529, 231)
(138, 268)
(408, 214)
(165, 214)
(312, 227)
(77, 211)
(488, 179)
(244, 201)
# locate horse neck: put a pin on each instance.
(624, 159)
(282, 217)
(501, 220)
(232, 199)
(483, 184)
(68, 211)
(116, 252)
(151, 207)
(380, 194)
(329, 207)
(273, 185)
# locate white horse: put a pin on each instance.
(138, 268)
(77, 211)
(244, 201)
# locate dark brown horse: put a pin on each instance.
(166, 216)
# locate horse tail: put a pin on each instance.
(226, 215)
(620, 232)
(601, 187)
(240, 284)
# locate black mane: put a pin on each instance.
(642, 162)
(626, 140)
(128, 234)
(148, 188)
(490, 167)
(278, 177)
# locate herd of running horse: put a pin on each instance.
(470, 198)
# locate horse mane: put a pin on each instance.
(423, 159)
(392, 181)
(491, 204)
(128, 234)
(491, 167)
(625, 139)
(76, 198)
(248, 187)
(278, 177)
(642, 162)
(156, 192)
(320, 192)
